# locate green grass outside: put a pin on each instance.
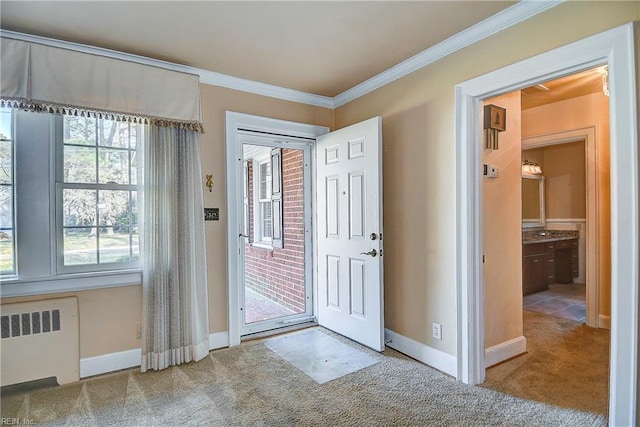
(79, 242)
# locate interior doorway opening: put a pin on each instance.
(561, 168)
(591, 52)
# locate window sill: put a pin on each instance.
(69, 283)
(265, 246)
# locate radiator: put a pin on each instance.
(40, 339)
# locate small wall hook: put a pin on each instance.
(209, 182)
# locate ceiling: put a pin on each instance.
(319, 47)
(572, 86)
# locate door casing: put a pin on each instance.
(237, 123)
(615, 48)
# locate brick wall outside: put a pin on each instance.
(278, 274)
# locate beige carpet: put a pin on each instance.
(567, 364)
(251, 385)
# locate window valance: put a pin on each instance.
(46, 78)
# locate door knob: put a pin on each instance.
(372, 252)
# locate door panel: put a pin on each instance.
(349, 210)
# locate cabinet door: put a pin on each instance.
(533, 274)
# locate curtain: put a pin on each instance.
(175, 305)
(38, 77)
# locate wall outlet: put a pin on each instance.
(437, 331)
(139, 332)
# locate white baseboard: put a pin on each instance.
(218, 340)
(503, 351)
(90, 366)
(428, 355)
(604, 322)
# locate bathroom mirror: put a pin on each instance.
(533, 201)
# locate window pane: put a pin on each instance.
(134, 208)
(80, 246)
(114, 166)
(113, 134)
(7, 243)
(134, 167)
(265, 180)
(113, 208)
(79, 164)
(266, 219)
(135, 135)
(79, 130)
(6, 206)
(7, 252)
(6, 131)
(114, 245)
(79, 207)
(135, 244)
(6, 161)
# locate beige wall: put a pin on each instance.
(502, 223)
(419, 161)
(419, 179)
(215, 101)
(577, 113)
(563, 167)
(109, 318)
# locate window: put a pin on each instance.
(97, 183)
(7, 229)
(263, 196)
(68, 201)
(265, 217)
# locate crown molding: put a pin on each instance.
(506, 18)
(206, 77)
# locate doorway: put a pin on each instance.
(588, 53)
(276, 282)
(341, 188)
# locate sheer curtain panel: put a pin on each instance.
(175, 310)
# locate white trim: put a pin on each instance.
(604, 321)
(616, 48)
(70, 283)
(421, 352)
(218, 340)
(566, 220)
(505, 351)
(206, 77)
(96, 365)
(506, 18)
(110, 362)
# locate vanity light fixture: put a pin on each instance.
(495, 121)
(531, 168)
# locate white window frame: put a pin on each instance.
(13, 199)
(36, 221)
(258, 238)
(60, 186)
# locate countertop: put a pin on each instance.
(542, 236)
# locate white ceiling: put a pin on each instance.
(319, 47)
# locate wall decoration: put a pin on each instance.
(495, 121)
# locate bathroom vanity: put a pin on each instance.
(549, 256)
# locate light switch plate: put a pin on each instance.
(211, 214)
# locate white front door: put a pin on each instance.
(349, 212)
